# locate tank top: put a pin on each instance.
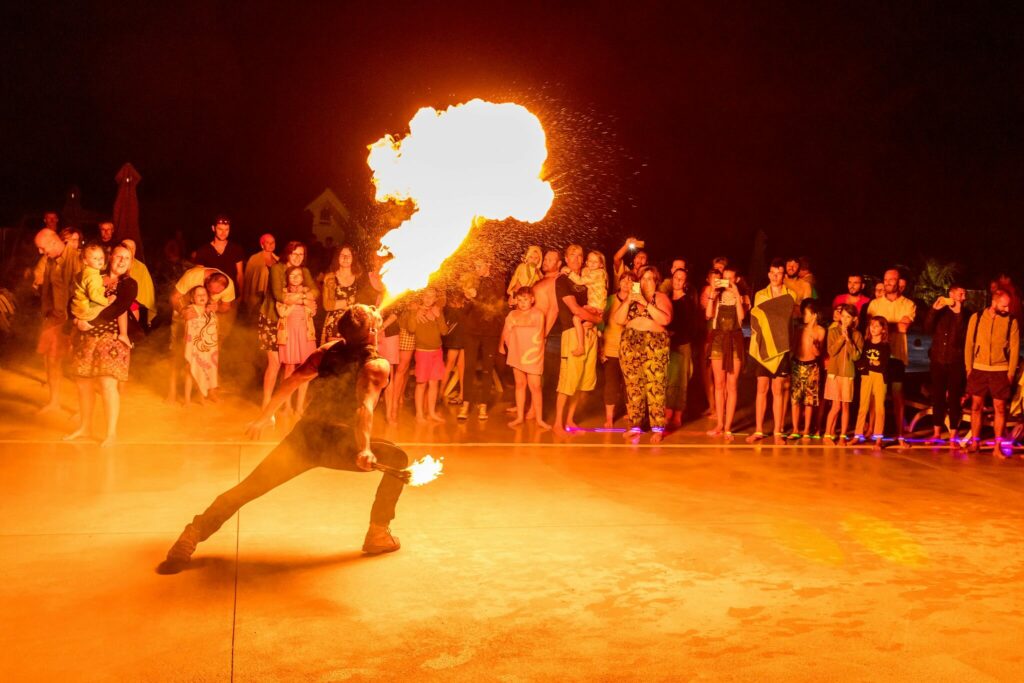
(726, 318)
(332, 393)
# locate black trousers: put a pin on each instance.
(486, 348)
(612, 382)
(947, 392)
(310, 444)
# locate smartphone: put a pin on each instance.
(632, 246)
(721, 283)
(948, 301)
(636, 287)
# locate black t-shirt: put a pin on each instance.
(565, 287)
(332, 393)
(875, 358)
(126, 290)
(684, 314)
(484, 316)
(207, 256)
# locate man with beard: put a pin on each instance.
(991, 352)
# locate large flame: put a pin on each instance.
(425, 470)
(477, 160)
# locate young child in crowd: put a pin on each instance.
(201, 353)
(874, 378)
(523, 338)
(594, 276)
(808, 346)
(296, 334)
(845, 344)
(428, 326)
(527, 273)
(89, 296)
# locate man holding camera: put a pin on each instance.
(947, 324)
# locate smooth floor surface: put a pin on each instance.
(577, 558)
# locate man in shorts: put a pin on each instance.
(576, 374)
(990, 354)
(60, 265)
(777, 381)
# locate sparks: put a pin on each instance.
(472, 162)
(425, 470)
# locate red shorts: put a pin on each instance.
(52, 340)
(429, 365)
(994, 383)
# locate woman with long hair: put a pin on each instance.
(342, 285)
(293, 256)
(725, 311)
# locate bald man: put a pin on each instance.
(257, 275)
(61, 265)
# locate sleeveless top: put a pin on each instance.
(726, 318)
(332, 393)
(632, 313)
(727, 336)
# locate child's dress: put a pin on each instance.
(524, 338)
(201, 349)
(596, 281)
(296, 335)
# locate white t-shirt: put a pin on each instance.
(894, 311)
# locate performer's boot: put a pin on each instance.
(379, 540)
(180, 553)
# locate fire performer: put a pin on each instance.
(346, 378)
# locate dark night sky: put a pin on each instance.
(856, 135)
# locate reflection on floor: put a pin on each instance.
(575, 557)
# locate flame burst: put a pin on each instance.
(471, 162)
(425, 470)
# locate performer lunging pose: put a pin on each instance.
(347, 378)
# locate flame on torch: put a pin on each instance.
(423, 471)
(468, 163)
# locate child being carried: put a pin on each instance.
(594, 276)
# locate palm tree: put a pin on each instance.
(934, 279)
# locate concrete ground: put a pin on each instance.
(551, 558)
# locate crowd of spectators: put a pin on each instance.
(669, 348)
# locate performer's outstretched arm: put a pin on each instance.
(304, 373)
(373, 377)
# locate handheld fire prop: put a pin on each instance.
(423, 471)
(471, 162)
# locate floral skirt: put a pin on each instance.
(330, 329)
(266, 333)
(99, 353)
